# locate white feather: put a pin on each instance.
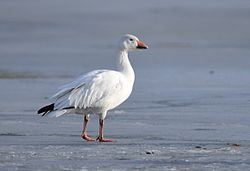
(100, 90)
(92, 90)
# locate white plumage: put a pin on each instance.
(97, 91)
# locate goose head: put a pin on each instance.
(130, 43)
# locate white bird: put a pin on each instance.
(98, 91)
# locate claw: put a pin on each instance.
(103, 140)
(86, 137)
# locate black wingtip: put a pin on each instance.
(46, 109)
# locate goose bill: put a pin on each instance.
(141, 45)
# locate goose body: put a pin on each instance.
(98, 91)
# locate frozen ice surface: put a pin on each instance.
(192, 128)
(191, 102)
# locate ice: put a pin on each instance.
(190, 105)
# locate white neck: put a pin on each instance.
(124, 66)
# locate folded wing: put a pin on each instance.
(90, 90)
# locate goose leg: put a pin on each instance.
(84, 131)
(101, 136)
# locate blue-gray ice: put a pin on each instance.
(191, 102)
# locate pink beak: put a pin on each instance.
(141, 45)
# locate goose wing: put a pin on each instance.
(91, 90)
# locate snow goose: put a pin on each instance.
(98, 91)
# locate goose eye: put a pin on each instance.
(131, 40)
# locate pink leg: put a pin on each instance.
(101, 136)
(84, 131)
